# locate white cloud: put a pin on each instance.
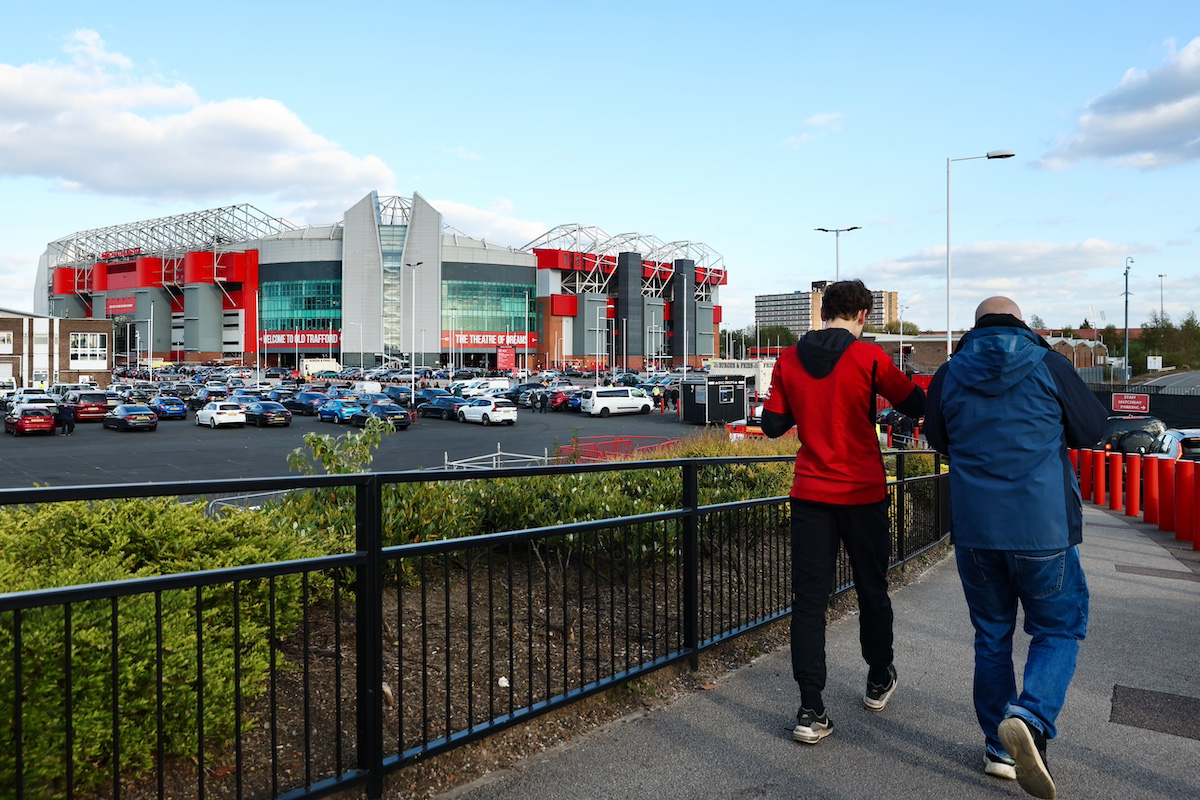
(495, 225)
(819, 125)
(16, 282)
(96, 126)
(1150, 119)
(462, 153)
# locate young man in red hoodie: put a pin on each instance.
(826, 386)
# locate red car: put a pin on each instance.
(88, 405)
(29, 420)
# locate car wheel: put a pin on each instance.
(486, 421)
(287, 424)
(445, 415)
(511, 422)
(462, 417)
(603, 413)
(212, 423)
(645, 409)
(337, 419)
(198, 423)
(153, 428)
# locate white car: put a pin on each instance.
(488, 410)
(216, 414)
(604, 400)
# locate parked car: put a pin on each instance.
(262, 413)
(89, 404)
(221, 412)
(131, 417)
(401, 395)
(29, 419)
(278, 395)
(168, 407)
(206, 395)
(445, 407)
(305, 403)
(337, 411)
(483, 386)
(277, 372)
(388, 412)
(627, 379)
(427, 394)
(1178, 443)
(488, 410)
(1131, 433)
(605, 400)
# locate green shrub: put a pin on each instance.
(69, 544)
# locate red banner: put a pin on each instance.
(301, 339)
(489, 339)
(119, 305)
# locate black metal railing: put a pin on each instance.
(341, 669)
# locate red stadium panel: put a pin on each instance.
(564, 305)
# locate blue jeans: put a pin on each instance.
(1053, 591)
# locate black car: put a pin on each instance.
(443, 407)
(1131, 433)
(129, 417)
(204, 396)
(305, 403)
(279, 395)
(388, 412)
(428, 394)
(514, 394)
(400, 394)
(266, 412)
(277, 372)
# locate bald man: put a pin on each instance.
(1005, 409)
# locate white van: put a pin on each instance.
(367, 387)
(605, 400)
(485, 385)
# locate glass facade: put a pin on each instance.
(477, 306)
(391, 242)
(301, 306)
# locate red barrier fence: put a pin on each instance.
(1163, 491)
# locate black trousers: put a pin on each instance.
(817, 528)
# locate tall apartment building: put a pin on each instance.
(800, 311)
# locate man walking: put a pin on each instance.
(826, 387)
(1005, 409)
(67, 416)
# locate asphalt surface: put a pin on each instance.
(180, 451)
(1130, 728)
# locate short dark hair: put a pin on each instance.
(844, 299)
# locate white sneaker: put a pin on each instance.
(810, 728)
(999, 766)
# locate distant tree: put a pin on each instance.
(1085, 325)
(910, 328)
(1036, 323)
(776, 335)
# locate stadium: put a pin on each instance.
(389, 283)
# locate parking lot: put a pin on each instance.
(180, 451)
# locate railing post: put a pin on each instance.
(901, 520)
(1166, 494)
(691, 562)
(943, 496)
(368, 524)
(1085, 474)
(1099, 489)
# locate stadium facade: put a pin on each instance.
(388, 283)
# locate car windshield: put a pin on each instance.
(270, 406)
(228, 407)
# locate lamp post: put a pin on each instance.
(525, 314)
(837, 246)
(1125, 366)
(599, 342)
(989, 155)
(902, 337)
(1161, 313)
(412, 342)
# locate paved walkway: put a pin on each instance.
(1131, 727)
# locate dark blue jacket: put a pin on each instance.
(1005, 409)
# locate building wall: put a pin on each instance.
(37, 350)
(362, 280)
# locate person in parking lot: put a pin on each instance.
(67, 418)
(1005, 409)
(826, 387)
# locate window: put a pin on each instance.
(89, 351)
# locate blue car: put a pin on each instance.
(338, 411)
(168, 407)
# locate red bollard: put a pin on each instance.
(1085, 474)
(1133, 484)
(1184, 502)
(1195, 515)
(1116, 466)
(1099, 489)
(1150, 489)
(1166, 494)
(1074, 456)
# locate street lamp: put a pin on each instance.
(1161, 314)
(902, 337)
(990, 155)
(1125, 366)
(837, 246)
(412, 342)
(599, 341)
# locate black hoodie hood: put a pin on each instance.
(819, 351)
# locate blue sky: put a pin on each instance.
(740, 126)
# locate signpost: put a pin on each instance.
(1131, 403)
